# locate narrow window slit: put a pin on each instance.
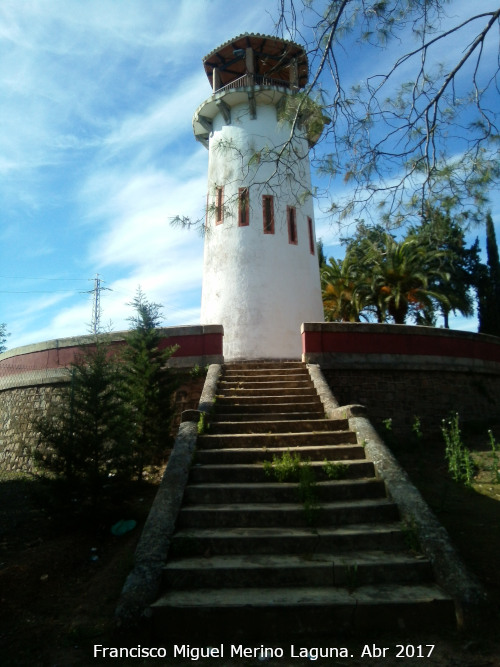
(292, 225)
(243, 207)
(268, 213)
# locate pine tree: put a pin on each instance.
(86, 441)
(148, 384)
(456, 263)
(3, 337)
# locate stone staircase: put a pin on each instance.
(247, 556)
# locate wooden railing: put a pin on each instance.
(254, 80)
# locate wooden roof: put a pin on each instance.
(272, 58)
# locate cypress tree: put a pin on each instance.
(489, 285)
(321, 253)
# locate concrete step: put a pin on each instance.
(250, 556)
(351, 569)
(246, 515)
(225, 614)
(265, 440)
(252, 417)
(237, 393)
(266, 399)
(256, 454)
(281, 426)
(208, 542)
(274, 366)
(255, 473)
(250, 409)
(285, 492)
(301, 382)
(267, 376)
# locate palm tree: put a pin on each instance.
(388, 278)
(401, 277)
(339, 286)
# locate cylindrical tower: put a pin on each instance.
(261, 273)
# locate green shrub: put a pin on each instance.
(460, 462)
(494, 459)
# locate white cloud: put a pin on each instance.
(131, 211)
(158, 125)
(97, 152)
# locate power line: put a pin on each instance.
(54, 291)
(39, 279)
(42, 279)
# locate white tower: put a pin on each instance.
(261, 273)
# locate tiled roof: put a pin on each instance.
(272, 58)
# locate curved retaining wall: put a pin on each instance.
(197, 345)
(397, 372)
(33, 379)
(403, 372)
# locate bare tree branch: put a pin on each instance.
(417, 141)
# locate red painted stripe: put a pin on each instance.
(195, 345)
(318, 342)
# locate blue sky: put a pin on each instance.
(97, 154)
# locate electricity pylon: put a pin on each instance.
(95, 324)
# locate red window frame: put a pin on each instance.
(268, 213)
(243, 207)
